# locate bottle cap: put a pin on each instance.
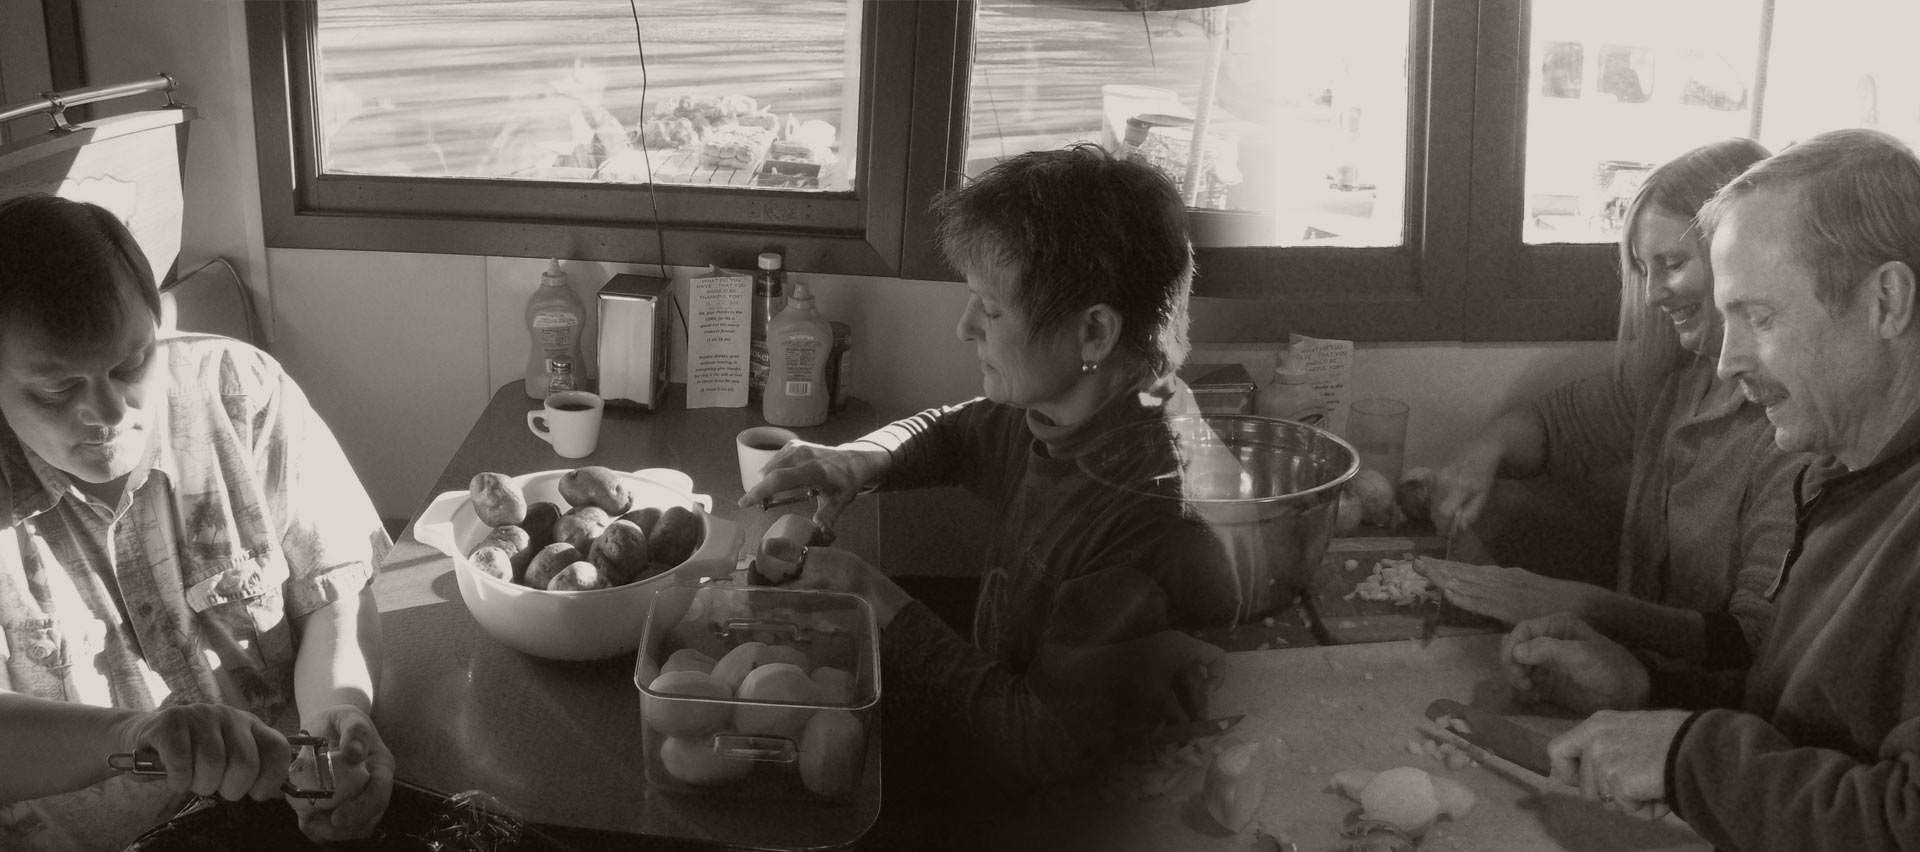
(800, 293)
(560, 365)
(770, 260)
(554, 276)
(1288, 369)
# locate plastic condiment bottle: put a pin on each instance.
(798, 342)
(555, 317)
(769, 298)
(1289, 394)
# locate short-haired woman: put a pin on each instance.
(1078, 267)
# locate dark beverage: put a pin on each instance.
(573, 406)
(764, 446)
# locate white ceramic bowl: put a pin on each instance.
(587, 625)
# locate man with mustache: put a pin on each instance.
(1816, 251)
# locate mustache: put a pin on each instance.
(1761, 392)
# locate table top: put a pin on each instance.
(557, 742)
(560, 742)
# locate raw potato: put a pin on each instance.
(686, 718)
(508, 537)
(775, 682)
(733, 668)
(1376, 497)
(550, 561)
(646, 518)
(833, 749)
(687, 660)
(1403, 796)
(1351, 781)
(581, 576)
(541, 517)
(675, 537)
(621, 552)
(595, 486)
(1236, 782)
(496, 500)
(1348, 515)
(579, 526)
(692, 761)
(836, 685)
(786, 654)
(489, 559)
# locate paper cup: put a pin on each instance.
(570, 422)
(756, 447)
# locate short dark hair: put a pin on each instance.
(58, 265)
(1081, 228)
(1859, 194)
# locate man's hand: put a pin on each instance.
(362, 777)
(212, 750)
(1619, 758)
(1562, 660)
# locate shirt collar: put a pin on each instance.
(33, 486)
(1900, 452)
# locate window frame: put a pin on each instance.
(1463, 273)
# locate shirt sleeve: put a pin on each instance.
(1588, 423)
(1743, 785)
(329, 531)
(1009, 732)
(937, 447)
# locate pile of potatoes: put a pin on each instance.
(831, 741)
(598, 543)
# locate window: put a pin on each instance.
(1372, 169)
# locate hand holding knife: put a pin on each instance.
(1430, 622)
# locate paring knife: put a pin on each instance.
(1430, 621)
(1493, 733)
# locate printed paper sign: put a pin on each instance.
(717, 339)
(1328, 362)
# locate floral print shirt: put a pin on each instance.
(243, 517)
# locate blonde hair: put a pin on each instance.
(1646, 347)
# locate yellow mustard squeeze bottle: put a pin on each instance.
(798, 343)
(555, 319)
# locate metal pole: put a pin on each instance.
(1214, 20)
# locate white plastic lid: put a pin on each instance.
(770, 260)
(1289, 370)
(554, 276)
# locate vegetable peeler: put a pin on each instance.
(309, 776)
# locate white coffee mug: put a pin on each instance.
(756, 447)
(570, 422)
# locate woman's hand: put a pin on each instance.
(834, 475)
(1562, 660)
(1460, 487)
(1511, 595)
(212, 750)
(837, 570)
(362, 777)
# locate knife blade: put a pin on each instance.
(1430, 620)
(1496, 735)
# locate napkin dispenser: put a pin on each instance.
(633, 340)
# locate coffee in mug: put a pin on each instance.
(570, 421)
(755, 448)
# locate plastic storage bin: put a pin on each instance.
(790, 708)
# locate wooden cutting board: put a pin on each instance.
(1345, 618)
(1325, 709)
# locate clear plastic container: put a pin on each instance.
(805, 735)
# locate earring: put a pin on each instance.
(1087, 367)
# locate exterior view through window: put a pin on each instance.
(1300, 108)
(734, 93)
(1290, 118)
(1618, 88)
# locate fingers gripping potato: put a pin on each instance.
(496, 500)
